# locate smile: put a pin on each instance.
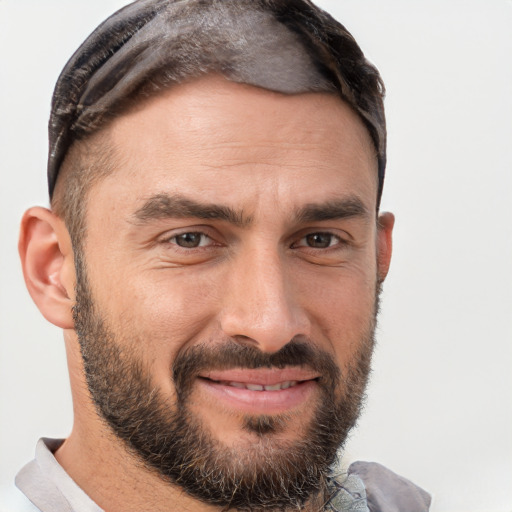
(261, 387)
(259, 391)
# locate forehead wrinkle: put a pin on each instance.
(164, 206)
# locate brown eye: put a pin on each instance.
(190, 240)
(320, 240)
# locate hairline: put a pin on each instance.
(93, 158)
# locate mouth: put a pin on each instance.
(260, 387)
(260, 391)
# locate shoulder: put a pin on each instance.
(388, 492)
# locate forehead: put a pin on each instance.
(218, 138)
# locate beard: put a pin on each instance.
(173, 442)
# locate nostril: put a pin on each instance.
(244, 340)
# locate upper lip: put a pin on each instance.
(261, 376)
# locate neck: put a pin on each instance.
(114, 478)
(101, 465)
(117, 481)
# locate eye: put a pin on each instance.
(319, 240)
(191, 240)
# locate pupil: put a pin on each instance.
(189, 240)
(320, 240)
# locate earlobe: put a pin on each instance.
(386, 221)
(48, 268)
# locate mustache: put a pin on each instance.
(207, 357)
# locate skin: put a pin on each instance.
(257, 281)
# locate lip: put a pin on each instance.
(216, 385)
(263, 376)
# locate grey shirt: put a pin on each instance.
(366, 487)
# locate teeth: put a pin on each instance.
(254, 387)
(258, 387)
(275, 387)
(237, 385)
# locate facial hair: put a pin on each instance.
(171, 440)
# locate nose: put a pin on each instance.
(262, 304)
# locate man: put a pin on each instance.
(214, 254)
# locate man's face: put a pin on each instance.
(227, 304)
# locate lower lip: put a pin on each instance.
(260, 402)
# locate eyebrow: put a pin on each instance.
(164, 206)
(345, 208)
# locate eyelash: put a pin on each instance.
(174, 240)
(338, 241)
(332, 237)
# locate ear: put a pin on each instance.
(385, 224)
(48, 266)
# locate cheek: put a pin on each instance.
(342, 310)
(163, 311)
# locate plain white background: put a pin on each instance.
(440, 402)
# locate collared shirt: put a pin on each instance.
(366, 487)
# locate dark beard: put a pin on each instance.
(167, 437)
